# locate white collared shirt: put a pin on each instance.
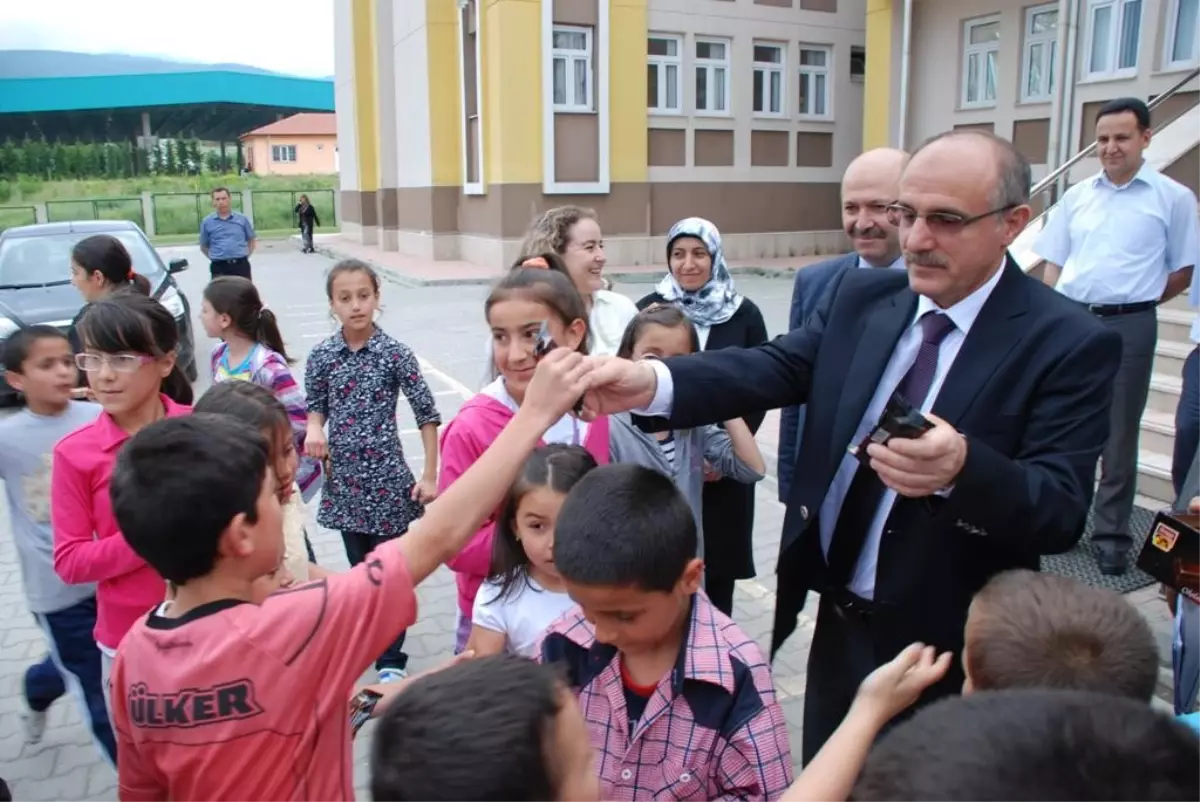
(963, 314)
(899, 263)
(611, 313)
(1119, 244)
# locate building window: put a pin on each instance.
(768, 79)
(571, 54)
(814, 81)
(283, 153)
(1182, 27)
(1041, 46)
(664, 76)
(858, 63)
(1114, 28)
(712, 75)
(981, 46)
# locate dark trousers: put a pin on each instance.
(358, 546)
(1187, 425)
(230, 267)
(73, 660)
(720, 591)
(306, 235)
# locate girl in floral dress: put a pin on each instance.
(353, 381)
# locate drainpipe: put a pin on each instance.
(1056, 102)
(905, 46)
(1066, 126)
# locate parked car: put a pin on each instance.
(35, 280)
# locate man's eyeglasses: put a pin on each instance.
(899, 214)
(90, 362)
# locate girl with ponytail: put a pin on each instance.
(100, 265)
(251, 349)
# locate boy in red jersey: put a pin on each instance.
(215, 697)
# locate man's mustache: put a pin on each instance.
(924, 258)
(872, 232)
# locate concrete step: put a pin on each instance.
(1158, 431)
(1175, 325)
(1154, 477)
(1179, 302)
(1169, 356)
(1164, 392)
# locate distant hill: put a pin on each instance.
(62, 64)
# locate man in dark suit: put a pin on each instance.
(870, 184)
(1016, 380)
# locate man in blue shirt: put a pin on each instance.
(227, 238)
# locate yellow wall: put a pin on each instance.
(512, 91)
(366, 101)
(445, 105)
(627, 96)
(877, 94)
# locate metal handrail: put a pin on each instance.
(1048, 181)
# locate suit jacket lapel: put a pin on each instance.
(875, 346)
(993, 335)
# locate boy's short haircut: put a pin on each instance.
(624, 526)
(17, 346)
(482, 729)
(1035, 630)
(179, 483)
(1032, 745)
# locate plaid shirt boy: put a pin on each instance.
(712, 729)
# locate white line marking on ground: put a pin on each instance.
(453, 383)
(446, 392)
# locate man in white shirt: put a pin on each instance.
(1120, 243)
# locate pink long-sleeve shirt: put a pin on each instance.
(88, 546)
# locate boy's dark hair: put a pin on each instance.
(1121, 105)
(556, 466)
(666, 315)
(1035, 630)
(548, 287)
(250, 403)
(350, 266)
(15, 350)
(625, 525)
(106, 255)
(476, 730)
(1033, 745)
(238, 297)
(126, 321)
(178, 484)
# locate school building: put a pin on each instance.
(459, 120)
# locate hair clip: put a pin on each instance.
(536, 261)
(129, 275)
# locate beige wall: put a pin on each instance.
(706, 154)
(314, 154)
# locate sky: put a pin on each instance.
(288, 36)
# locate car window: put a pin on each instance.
(33, 261)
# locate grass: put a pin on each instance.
(178, 203)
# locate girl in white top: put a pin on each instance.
(573, 234)
(524, 593)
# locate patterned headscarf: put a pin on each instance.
(716, 301)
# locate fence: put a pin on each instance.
(181, 212)
(275, 209)
(11, 216)
(62, 211)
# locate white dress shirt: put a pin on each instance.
(1119, 244)
(963, 314)
(899, 263)
(611, 313)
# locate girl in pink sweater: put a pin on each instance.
(516, 309)
(129, 346)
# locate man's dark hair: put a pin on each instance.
(1034, 745)
(1014, 175)
(215, 190)
(15, 350)
(624, 525)
(179, 483)
(1127, 104)
(1035, 630)
(476, 730)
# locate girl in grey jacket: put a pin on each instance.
(685, 455)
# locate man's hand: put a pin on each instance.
(920, 467)
(618, 385)
(895, 685)
(558, 382)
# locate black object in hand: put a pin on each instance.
(899, 419)
(544, 345)
(362, 706)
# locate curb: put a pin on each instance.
(396, 277)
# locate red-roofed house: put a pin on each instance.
(302, 144)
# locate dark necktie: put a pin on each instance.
(866, 491)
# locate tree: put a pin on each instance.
(212, 162)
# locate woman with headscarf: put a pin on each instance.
(699, 283)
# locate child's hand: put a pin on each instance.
(711, 474)
(315, 444)
(895, 685)
(424, 491)
(1194, 504)
(558, 383)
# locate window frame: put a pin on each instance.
(858, 77)
(660, 63)
(769, 68)
(981, 50)
(1028, 40)
(810, 70)
(570, 57)
(1169, 61)
(1112, 70)
(710, 66)
(289, 151)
